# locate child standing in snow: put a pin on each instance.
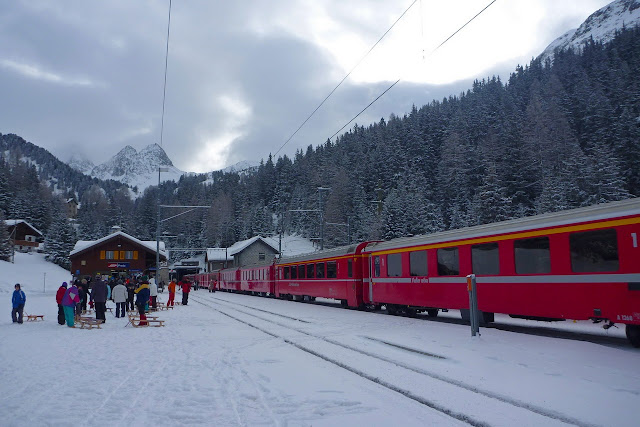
(18, 300)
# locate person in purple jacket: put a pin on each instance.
(69, 301)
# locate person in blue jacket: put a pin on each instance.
(18, 300)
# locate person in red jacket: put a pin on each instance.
(59, 295)
(186, 288)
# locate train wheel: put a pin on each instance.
(432, 312)
(633, 334)
(343, 303)
(391, 309)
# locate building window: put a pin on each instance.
(594, 251)
(332, 270)
(320, 270)
(83, 262)
(261, 256)
(485, 259)
(128, 254)
(394, 265)
(109, 254)
(418, 263)
(532, 255)
(448, 263)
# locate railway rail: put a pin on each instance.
(479, 407)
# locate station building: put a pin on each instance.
(117, 253)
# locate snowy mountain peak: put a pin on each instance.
(155, 152)
(138, 169)
(601, 25)
(80, 163)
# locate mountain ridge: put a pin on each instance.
(601, 25)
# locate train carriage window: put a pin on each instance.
(485, 259)
(350, 268)
(448, 262)
(594, 251)
(532, 255)
(376, 266)
(301, 272)
(320, 270)
(332, 270)
(310, 273)
(294, 272)
(286, 273)
(394, 265)
(418, 263)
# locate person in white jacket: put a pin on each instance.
(119, 295)
(153, 291)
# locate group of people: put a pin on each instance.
(72, 300)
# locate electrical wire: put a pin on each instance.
(345, 77)
(396, 82)
(166, 62)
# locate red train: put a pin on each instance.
(577, 264)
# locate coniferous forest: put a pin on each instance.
(554, 136)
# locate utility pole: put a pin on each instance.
(320, 208)
(160, 169)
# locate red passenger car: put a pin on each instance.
(258, 280)
(577, 264)
(229, 280)
(334, 273)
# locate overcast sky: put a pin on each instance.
(86, 76)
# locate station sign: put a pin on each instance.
(118, 265)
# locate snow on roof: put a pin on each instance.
(82, 245)
(12, 222)
(242, 245)
(218, 254)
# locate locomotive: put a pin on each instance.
(577, 264)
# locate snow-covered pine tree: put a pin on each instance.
(59, 241)
(5, 245)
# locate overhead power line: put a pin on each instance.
(164, 88)
(346, 76)
(396, 82)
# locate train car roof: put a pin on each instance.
(327, 253)
(580, 215)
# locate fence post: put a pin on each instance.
(473, 304)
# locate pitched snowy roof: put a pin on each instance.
(82, 245)
(218, 254)
(12, 222)
(242, 245)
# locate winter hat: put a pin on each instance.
(17, 285)
(64, 284)
(145, 278)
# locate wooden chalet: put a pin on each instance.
(117, 253)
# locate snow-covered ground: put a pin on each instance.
(227, 360)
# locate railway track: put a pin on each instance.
(479, 405)
(534, 330)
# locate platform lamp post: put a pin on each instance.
(160, 169)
